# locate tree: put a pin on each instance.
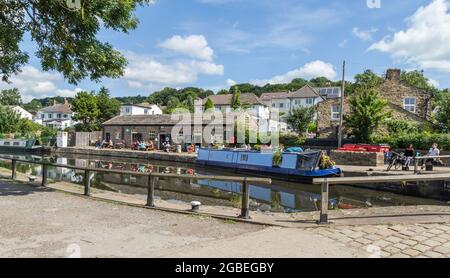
(209, 105)
(236, 98)
(9, 120)
(416, 78)
(65, 36)
(109, 107)
(443, 112)
(300, 118)
(86, 111)
(367, 79)
(33, 106)
(173, 104)
(10, 97)
(367, 114)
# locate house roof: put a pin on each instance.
(248, 98)
(143, 105)
(329, 92)
(160, 120)
(305, 92)
(57, 108)
(277, 95)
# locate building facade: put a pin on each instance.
(140, 109)
(405, 103)
(24, 114)
(57, 116)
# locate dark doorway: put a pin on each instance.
(136, 137)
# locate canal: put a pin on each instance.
(281, 196)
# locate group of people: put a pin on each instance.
(105, 144)
(143, 146)
(410, 154)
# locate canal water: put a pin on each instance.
(280, 196)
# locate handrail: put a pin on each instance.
(326, 182)
(151, 183)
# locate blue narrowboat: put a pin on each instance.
(298, 166)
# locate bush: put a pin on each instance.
(291, 140)
(401, 126)
(421, 141)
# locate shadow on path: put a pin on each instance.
(12, 188)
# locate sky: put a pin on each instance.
(214, 44)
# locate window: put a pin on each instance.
(309, 101)
(410, 104)
(118, 135)
(297, 102)
(50, 116)
(145, 111)
(273, 105)
(335, 112)
(127, 109)
(152, 135)
(42, 116)
(244, 157)
(58, 116)
(65, 116)
(281, 105)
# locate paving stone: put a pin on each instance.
(431, 242)
(421, 248)
(409, 242)
(384, 232)
(397, 228)
(418, 238)
(381, 243)
(408, 233)
(372, 237)
(440, 239)
(363, 241)
(384, 254)
(428, 235)
(411, 252)
(355, 244)
(401, 246)
(393, 239)
(400, 256)
(432, 254)
(435, 231)
(442, 249)
(392, 250)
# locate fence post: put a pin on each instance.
(324, 203)
(416, 166)
(151, 183)
(245, 208)
(13, 169)
(44, 174)
(87, 183)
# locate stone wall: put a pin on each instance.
(357, 158)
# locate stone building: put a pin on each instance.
(158, 128)
(405, 102)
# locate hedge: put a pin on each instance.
(421, 141)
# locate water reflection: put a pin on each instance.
(280, 196)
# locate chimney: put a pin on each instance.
(65, 101)
(54, 102)
(393, 75)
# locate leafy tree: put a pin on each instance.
(65, 36)
(109, 107)
(10, 97)
(320, 82)
(367, 79)
(300, 118)
(28, 129)
(367, 114)
(33, 106)
(9, 120)
(417, 79)
(236, 98)
(443, 112)
(86, 111)
(209, 105)
(173, 104)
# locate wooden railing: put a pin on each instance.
(327, 182)
(151, 182)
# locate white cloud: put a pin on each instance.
(231, 82)
(144, 71)
(33, 83)
(433, 82)
(308, 71)
(196, 46)
(365, 35)
(425, 42)
(343, 43)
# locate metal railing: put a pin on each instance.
(327, 182)
(151, 181)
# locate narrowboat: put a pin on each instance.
(299, 166)
(20, 145)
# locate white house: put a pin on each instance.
(57, 116)
(140, 109)
(24, 114)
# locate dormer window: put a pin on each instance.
(409, 104)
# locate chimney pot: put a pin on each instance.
(393, 75)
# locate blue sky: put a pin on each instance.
(215, 43)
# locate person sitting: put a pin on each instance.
(142, 146)
(410, 154)
(191, 148)
(109, 144)
(98, 144)
(150, 146)
(433, 152)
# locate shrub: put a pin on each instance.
(401, 126)
(291, 140)
(422, 140)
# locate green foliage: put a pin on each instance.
(300, 118)
(66, 40)
(109, 107)
(209, 105)
(33, 106)
(10, 97)
(312, 127)
(368, 79)
(443, 112)
(86, 111)
(396, 127)
(291, 140)
(420, 140)
(416, 78)
(277, 158)
(236, 98)
(9, 120)
(27, 129)
(367, 114)
(48, 133)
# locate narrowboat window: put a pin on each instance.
(7, 143)
(244, 157)
(16, 143)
